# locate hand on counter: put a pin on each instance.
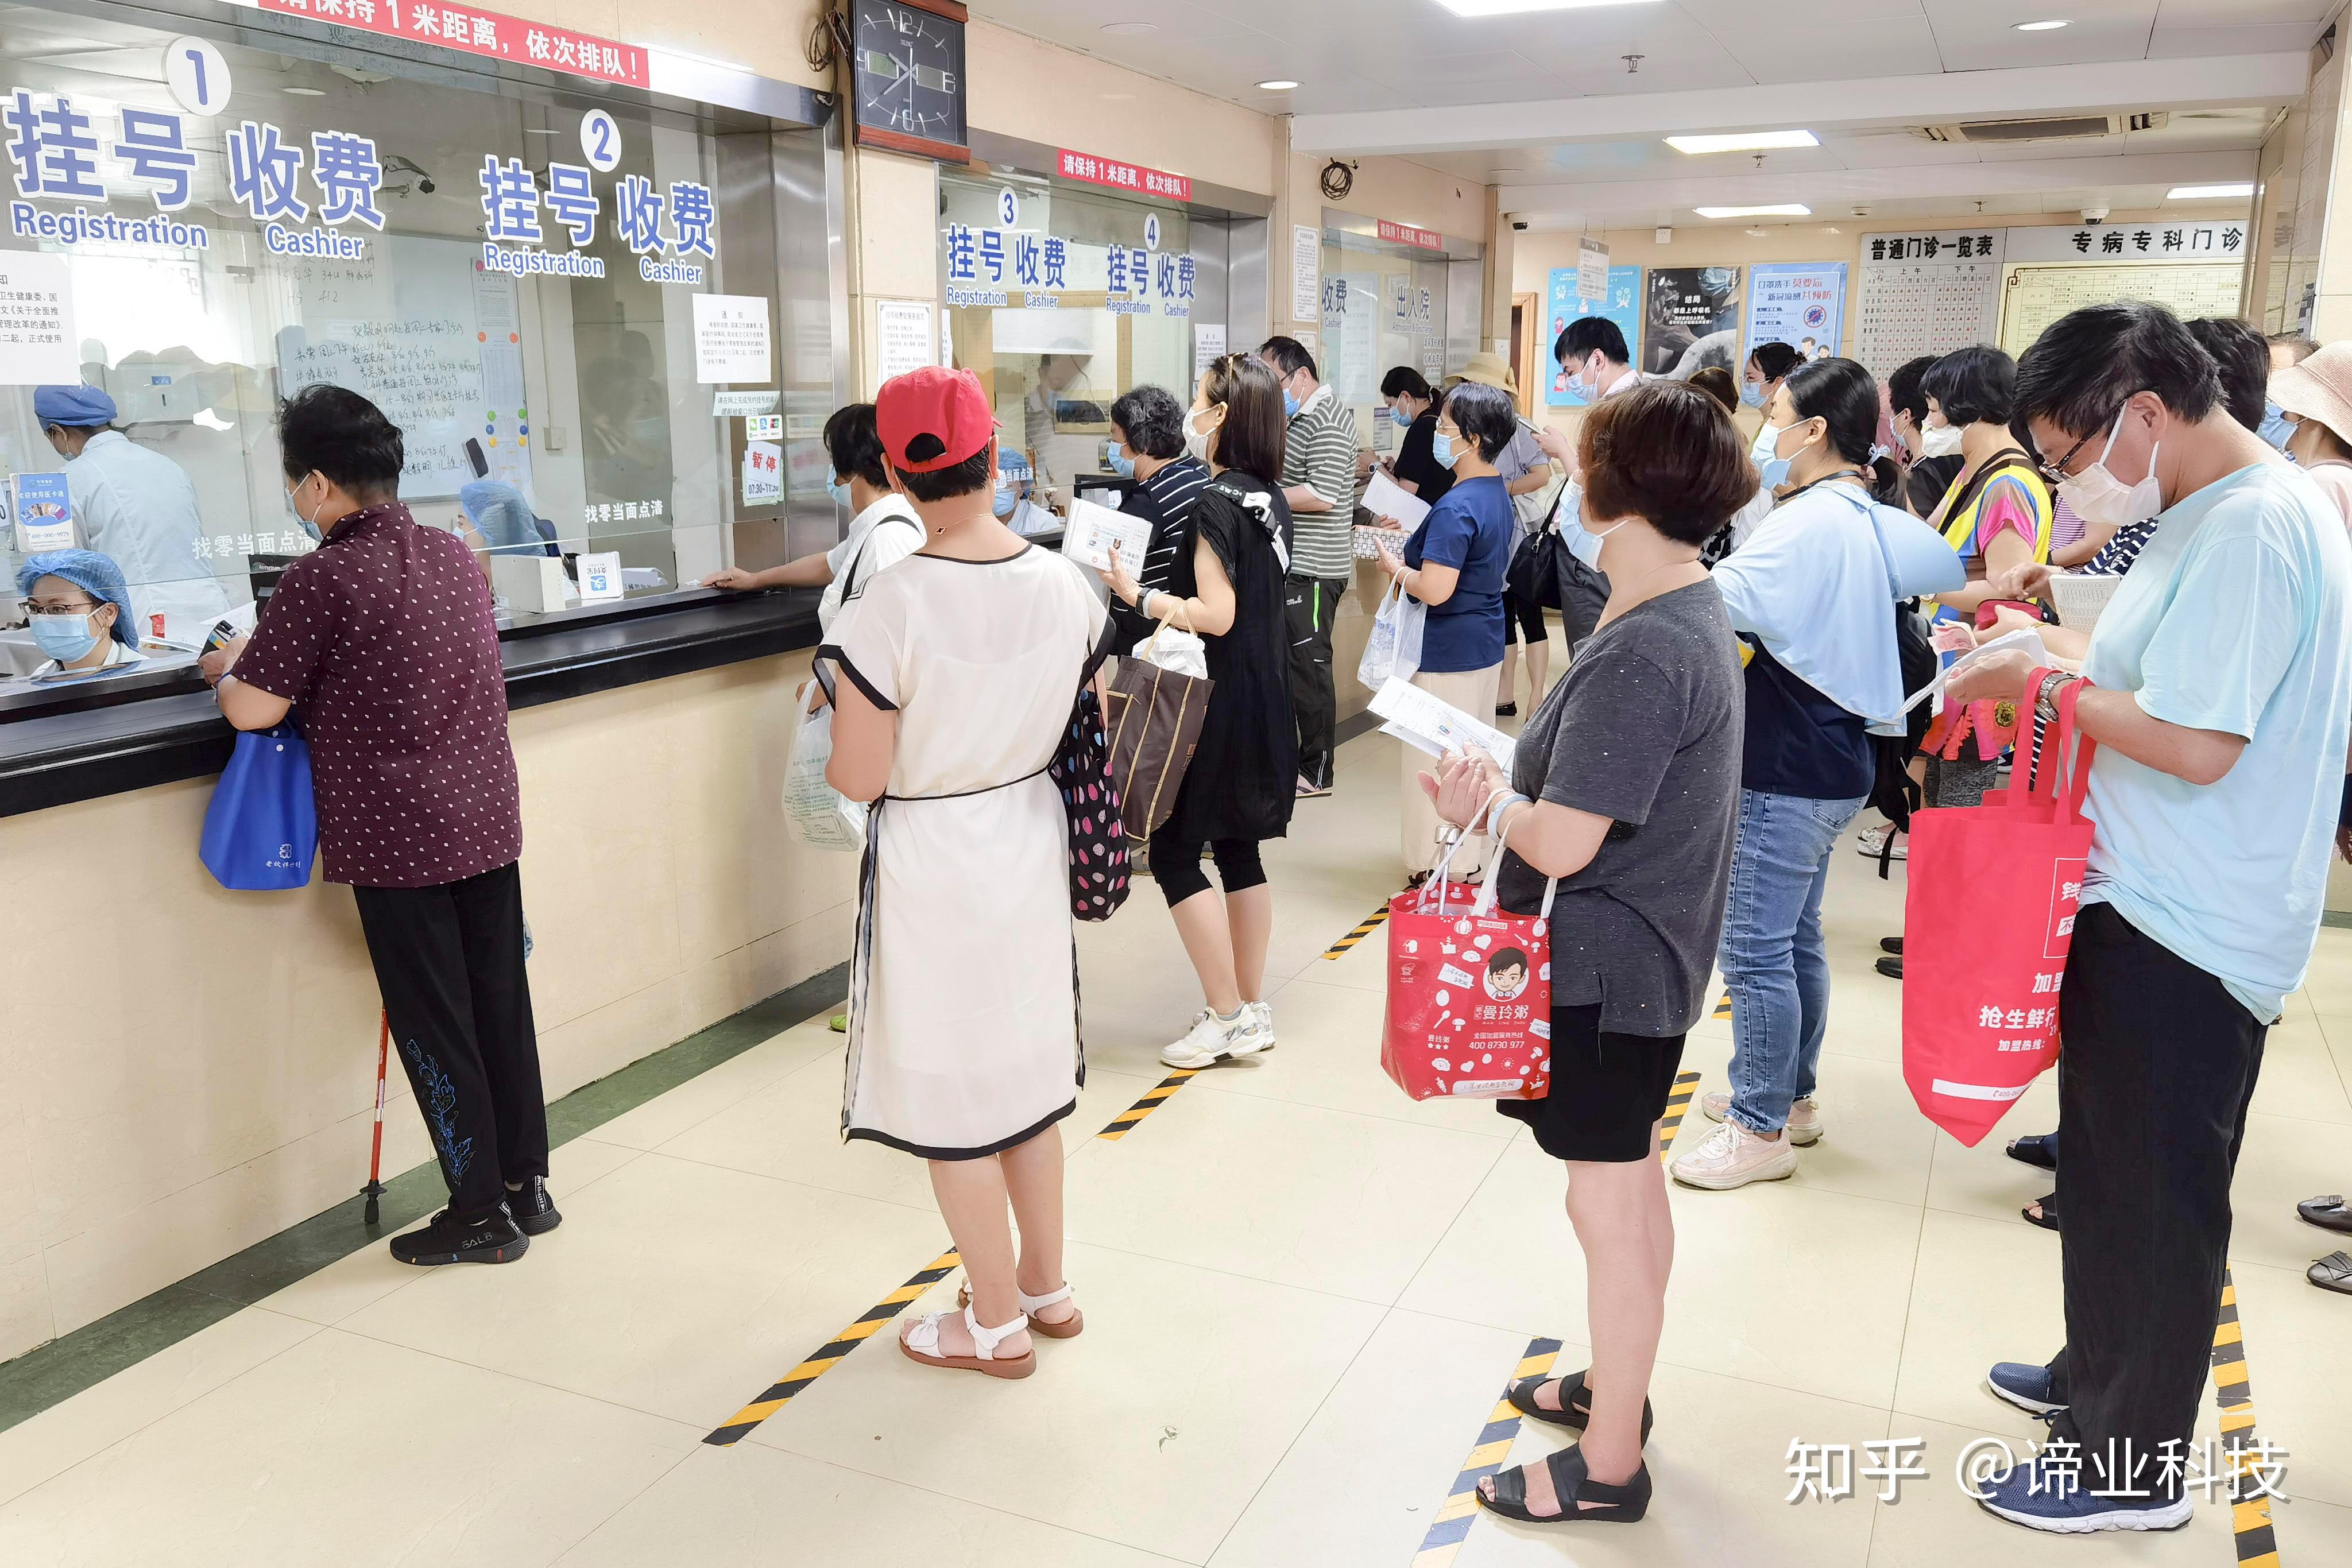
(733, 579)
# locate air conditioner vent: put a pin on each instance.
(2060, 128)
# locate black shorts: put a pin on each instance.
(1522, 622)
(1607, 1093)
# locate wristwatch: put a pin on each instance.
(2045, 698)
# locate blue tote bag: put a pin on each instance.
(261, 830)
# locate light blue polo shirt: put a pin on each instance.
(2234, 618)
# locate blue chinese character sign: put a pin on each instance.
(1622, 305)
(1801, 303)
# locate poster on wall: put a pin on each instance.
(1799, 303)
(1306, 273)
(1927, 293)
(1621, 304)
(1690, 319)
(902, 336)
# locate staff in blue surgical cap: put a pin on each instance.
(80, 611)
(136, 506)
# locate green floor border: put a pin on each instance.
(52, 1373)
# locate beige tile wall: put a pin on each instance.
(184, 1071)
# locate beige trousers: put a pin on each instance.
(1472, 691)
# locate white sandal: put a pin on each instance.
(1066, 1329)
(921, 1344)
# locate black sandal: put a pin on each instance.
(1570, 1483)
(2048, 1218)
(1522, 1397)
(2039, 1150)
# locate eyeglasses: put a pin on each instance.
(2055, 471)
(57, 607)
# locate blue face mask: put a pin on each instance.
(839, 492)
(64, 638)
(1397, 414)
(1004, 501)
(2275, 428)
(1289, 403)
(1121, 464)
(1442, 447)
(1752, 394)
(1773, 470)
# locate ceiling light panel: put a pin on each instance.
(2207, 193)
(1743, 141)
(1779, 210)
(1525, 7)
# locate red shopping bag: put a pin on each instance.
(1469, 994)
(1987, 923)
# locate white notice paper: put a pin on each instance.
(1306, 273)
(730, 338)
(600, 575)
(1419, 719)
(1591, 269)
(1208, 347)
(1092, 530)
(38, 345)
(1384, 498)
(735, 404)
(902, 338)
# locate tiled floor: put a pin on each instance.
(1303, 1293)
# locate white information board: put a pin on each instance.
(1927, 293)
(730, 338)
(1306, 273)
(38, 345)
(2035, 296)
(902, 336)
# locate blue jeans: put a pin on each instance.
(1773, 960)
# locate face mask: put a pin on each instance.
(1752, 394)
(1120, 463)
(2102, 500)
(1584, 544)
(310, 523)
(839, 492)
(1442, 447)
(65, 638)
(1586, 382)
(1759, 451)
(1004, 501)
(1289, 403)
(1939, 440)
(1198, 441)
(1771, 468)
(2276, 428)
(1398, 416)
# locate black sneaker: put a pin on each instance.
(533, 1210)
(1891, 944)
(1890, 967)
(447, 1240)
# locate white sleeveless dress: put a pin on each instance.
(964, 1026)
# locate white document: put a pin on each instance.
(1092, 530)
(763, 474)
(902, 336)
(730, 338)
(1384, 498)
(1306, 273)
(38, 345)
(1419, 719)
(736, 404)
(2022, 638)
(1208, 346)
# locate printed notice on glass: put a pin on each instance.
(1438, 728)
(743, 404)
(730, 338)
(1306, 273)
(902, 338)
(1208, 347)
(763, 473)
(38, 345)
(1591, 270)
(1093, 531)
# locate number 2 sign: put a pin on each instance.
(600, 139)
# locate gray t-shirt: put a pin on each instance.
(1644, 729)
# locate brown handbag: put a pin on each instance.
(1155, 717)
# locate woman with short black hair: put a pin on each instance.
(1769, 365)
(1625, 788)
(1414, 407)
(1147, 433)
(1454, 563)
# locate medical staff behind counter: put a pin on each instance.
(136, 506)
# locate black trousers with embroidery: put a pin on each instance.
(1310, 606)
(449, 961)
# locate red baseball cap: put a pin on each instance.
(932, 418)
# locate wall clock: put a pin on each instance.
(907, 76)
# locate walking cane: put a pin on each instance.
(375, 1189)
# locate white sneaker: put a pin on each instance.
(1264, 1013)
(1733, 1156)
(1213, 1039)
(1873, 839)
(1804, 1127)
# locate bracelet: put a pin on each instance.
(1496, 808)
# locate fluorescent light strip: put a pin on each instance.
(2038, 27)
(1743, 141)
(1522, 7)
(2206, 192)
(1783, 210)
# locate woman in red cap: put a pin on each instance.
(961, 665)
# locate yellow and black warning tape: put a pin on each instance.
(781, 1393)
(1451, 1525)
(2250, 1511)
(1723, 1008)
(1373, 922)
(1677, 1106)
(1127, 1119)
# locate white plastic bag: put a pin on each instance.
(1393, 650)
(819, 815)
(1177, 651)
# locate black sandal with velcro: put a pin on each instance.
(1573, 1488)
(1571, 1415)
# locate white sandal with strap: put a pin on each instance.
(1066, 1329)
(921, 1344)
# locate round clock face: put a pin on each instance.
(910, 71)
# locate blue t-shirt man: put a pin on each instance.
(1470, 529)
(2232, 619)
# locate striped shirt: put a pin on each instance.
(1320, 453)
(1167, 498)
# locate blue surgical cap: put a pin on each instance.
(92, 572)
(503, 516)
(75, 405)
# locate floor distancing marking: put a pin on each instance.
(1127, 1119)
(1373, 923)
(1723, 1008)
(1453, 1522)
(780, 1393)
(1677, 1106)
(2250, 1514)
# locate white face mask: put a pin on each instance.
(1200, 442)
(1584, 544)
(2104, 501)
(1939, 440)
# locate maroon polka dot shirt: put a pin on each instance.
(384, 641)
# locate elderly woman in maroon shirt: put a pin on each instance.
(383, 640)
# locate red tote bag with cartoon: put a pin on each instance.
(1987, 923)
(1469, 994)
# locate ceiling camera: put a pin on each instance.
(1520, 225)
(2095, 214)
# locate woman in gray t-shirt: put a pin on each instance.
(1625, 788)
